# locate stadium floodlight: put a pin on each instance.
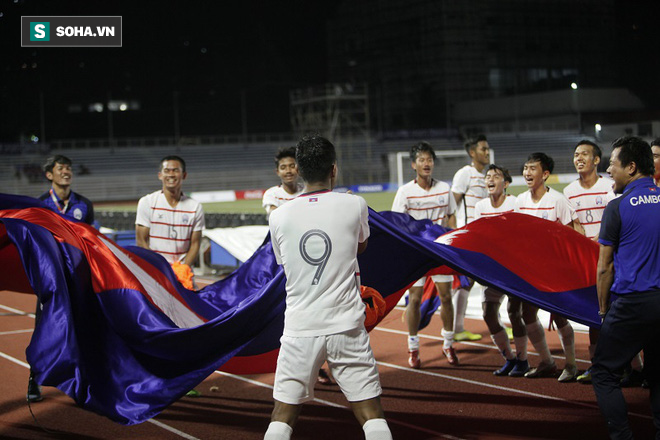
(446, 165)
(598, 127)
(574, 86)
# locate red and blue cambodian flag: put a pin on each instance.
(124, 339)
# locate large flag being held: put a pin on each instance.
(124, 339)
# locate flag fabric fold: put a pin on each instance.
(123, 338)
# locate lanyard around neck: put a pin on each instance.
(59, 204)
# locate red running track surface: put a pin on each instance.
(438, 401)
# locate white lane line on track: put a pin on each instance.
(474, 344)
(172, 430)
(499, 387)
(155, 422)
(18, 312)
(16, 332)
(335, 405)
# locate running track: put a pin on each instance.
(438, 401)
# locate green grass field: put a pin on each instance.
(378, 201)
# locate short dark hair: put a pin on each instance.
(421, 147)
(315, 156)
(472, 142)
(655, 142)
(51, 161)
(594, 147)
(504, 171)
(547, 164)
(284, 152)
(173, 157)
(634, 149)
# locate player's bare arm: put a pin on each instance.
(450, 221)
(362, 246)
(142, 236)
(575, 224)
(605, 276)
(458, 197)
(193, 250)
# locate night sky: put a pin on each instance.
(202, 57)
(210, 53)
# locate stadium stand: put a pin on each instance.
(128, 172)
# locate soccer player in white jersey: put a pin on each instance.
(427, 198)
(169, 222)
(289, 187)
(588, 196)
(468, 188)
(499, 203)
(317, 237)
(544, 202)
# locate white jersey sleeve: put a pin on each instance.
(269, 198)
(143, 215)
(274, 242)
(451, 209)
(400, 201)
(199, 223)
(364, 221)
(461, 181)
(565, 213)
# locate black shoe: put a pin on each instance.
(34, 391)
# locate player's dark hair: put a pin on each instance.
(421, 147)
(472, 143)
(634, 149)
(547, 164)
(173, 157)
(504, 171)
(51, 161)
(315, 156)
(655, 142)
(284, 152)
(595, 148)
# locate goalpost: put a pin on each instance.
(446, 165)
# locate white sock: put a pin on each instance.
(501, 340)
(537, 338)
(413, 343)
(567, 339)
(448, 336)
(637, 362)
(521, 347)
(278, 431)
(376, 429)
(460, 300)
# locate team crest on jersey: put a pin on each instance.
(160, 216)
(652, 189)
(577, 203)
(599, 200)
(185, 218)
(545, 215)
(77, 214)
(313, 199)
(441, 200)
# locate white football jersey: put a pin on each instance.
(315, 237)
(484, 208)
(553, 206)
(170, 228)
(276, 196)
(435, 204)
(469, 182)
(589, 203)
